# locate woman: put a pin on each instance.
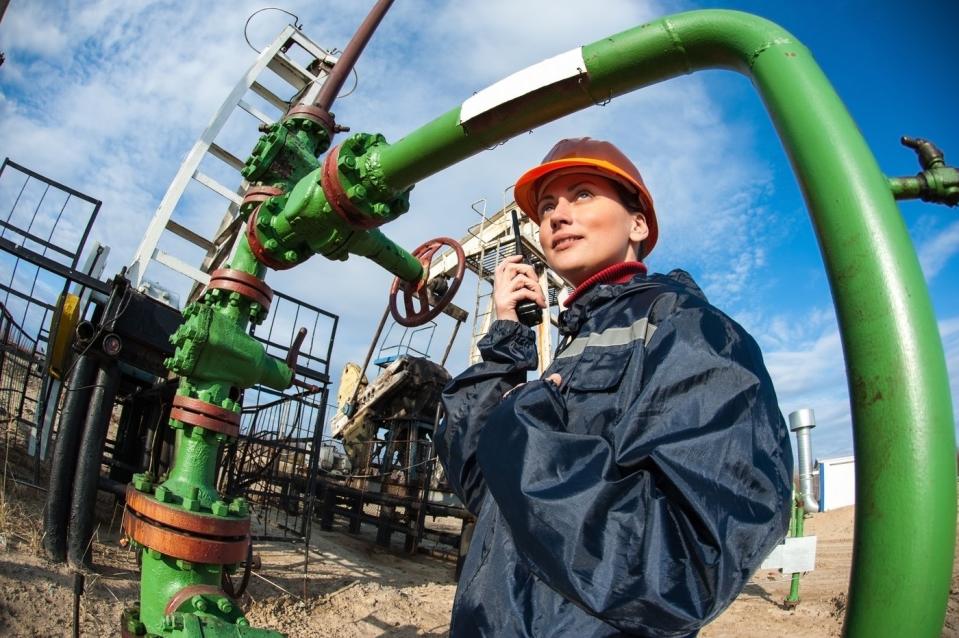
(636, 487)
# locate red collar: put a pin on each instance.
(616, 274)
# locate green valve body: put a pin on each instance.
(216, 357)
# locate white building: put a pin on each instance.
(837, 483)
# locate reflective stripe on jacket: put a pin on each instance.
(638, 496)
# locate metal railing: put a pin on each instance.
(44, 226)
(21, 379)
(275, 460)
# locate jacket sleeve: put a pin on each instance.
(656, 526)
(508, 351)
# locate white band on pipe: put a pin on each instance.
(542, 74)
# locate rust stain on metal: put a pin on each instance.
(214, 425)
(206, 409)
(177, 518)
(181, 545)
(262, 254)
(338, 199)
(240, 282)
(259, 194)
(315, 113)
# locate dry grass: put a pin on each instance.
(21, 523)
(19, 526)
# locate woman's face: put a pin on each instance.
(584, 226)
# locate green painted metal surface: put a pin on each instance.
(244, 260)
(795, 531)
(286, 152)
(215, 355)
(902, 413)
(937, 182)
(213, 345)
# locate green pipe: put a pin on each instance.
(795, 531)
(306, 224)
(243, 259)
(901, 406)
(905, 187)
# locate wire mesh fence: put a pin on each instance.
(44, 226)
(21, 375)
(275, 460)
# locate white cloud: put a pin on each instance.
(811, 374)
(34, 30)
(949, 330)
(805, 360)
(936, 251)
(113, 94)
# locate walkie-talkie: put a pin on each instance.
(528, 312)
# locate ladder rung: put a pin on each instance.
(255, 112)
(217, 187)
(269, 96)
(181, 267)
(325, 58)
(182, 231)
(228, 232)
(226, 156)
(291, 72)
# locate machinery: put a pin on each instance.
(298, 206)
(408, 390)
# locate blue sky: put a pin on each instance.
(108, 96)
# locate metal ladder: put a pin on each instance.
(482, 315)
(306, 82)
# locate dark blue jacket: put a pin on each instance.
(637, 497)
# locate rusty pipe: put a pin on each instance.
(334, 82)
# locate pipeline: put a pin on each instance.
(331, 87)
(894, 358)
(63, 463)
(130, 443)
(187, 531)
(801, 422)
(87, 477)
(895, 362)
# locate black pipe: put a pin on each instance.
(129, 447)
(90, 456)
(150, 425)
(78, 582)
(116, 488)
(85, 331)
(64, 461)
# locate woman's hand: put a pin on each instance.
(513, 283)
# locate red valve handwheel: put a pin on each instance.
(425, 254)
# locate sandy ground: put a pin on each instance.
(354, 589)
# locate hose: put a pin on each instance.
(63, 463)
(87, 477)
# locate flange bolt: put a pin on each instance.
(199, 603)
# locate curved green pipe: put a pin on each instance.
(901, 406)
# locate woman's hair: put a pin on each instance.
(628, 198)
(631, 202)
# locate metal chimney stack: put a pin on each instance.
(801, 422)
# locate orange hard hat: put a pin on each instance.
(592, 155)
